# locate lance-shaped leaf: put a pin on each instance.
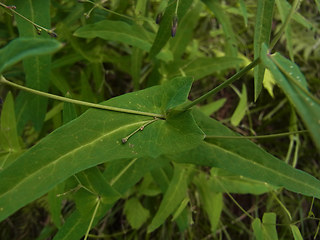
(134, 35)
(220, 14)
(37, 69)
(21, 48)
(95, 137)
(294, 85)
(163, 34)
(262, 33)
(243, 157)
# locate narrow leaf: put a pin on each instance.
(243, 157)
(202, 67)
(295, 232)
(21, 48)
(211, 108)
(212, 201)
(269, 226)
(261, 35)
(240, 111)
(224, 181)
(257, 229)
(37, 69)
(134, 35)
(164, 30)
(135, 213)
(220, 14)
(172, 198)
(293, 83)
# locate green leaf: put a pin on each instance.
(135, 213)
(8, 125)
(30, 107)
(220, 14)
(55, 203)
(262, 34)
(224, 181)
(212, 201)
(164, 30)
(318, 4)
(9, 138)
(186, 27)
(21, 48)
(240, 111)
(284, 9)
(243, 157)
(211, 108)
(293, 83)
(269, 226)
(95, 137)
(134, 35)
(95, 188)
(125, 173)
(174, 195)
(257, 229)
(244, 12)
(295, 232)
(202, 67)
(180, 209)
(69, 111)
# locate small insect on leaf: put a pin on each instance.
(124, 140)
(174, 26)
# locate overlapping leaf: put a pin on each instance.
(119, 31)
(95, 137)
(242, 157)
(294, 85)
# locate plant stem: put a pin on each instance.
(259, 137)
(50, 32)
(284, 25)
(223, 85)
(83, 103)
(92, 218)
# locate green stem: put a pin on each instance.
(92, 218)
(284, 25)
(223, 85)
(259, 137)
(28, 20)
(83, 103)
(125, 139)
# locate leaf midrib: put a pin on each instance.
(264, 167)
(70, 153)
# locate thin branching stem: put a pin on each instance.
(259, 137)
(37, 26)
